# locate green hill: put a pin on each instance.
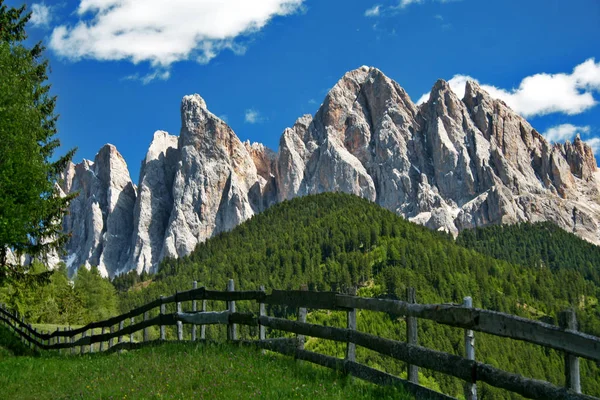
(536, 245)
(332, 241)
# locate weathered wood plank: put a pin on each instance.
(198, 294)
(240, 295)
(288, 347)
(248, 319)
(22, 333)
(204, 318)
(167, 319)
(530, 388)
(426, 358)
(299, 298)
(448, 364)
(492, 322)
(381, 378)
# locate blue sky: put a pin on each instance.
(121, 67)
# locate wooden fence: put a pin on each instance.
(564, 338)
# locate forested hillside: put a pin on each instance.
(538, 245)
(332, 241)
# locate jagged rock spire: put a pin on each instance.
(449, 164)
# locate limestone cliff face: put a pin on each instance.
(101, 218)
(449, 164)
(154, 205)
(216, 186)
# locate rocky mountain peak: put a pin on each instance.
(449, 164)
(110, 167)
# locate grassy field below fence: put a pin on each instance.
(179, 371)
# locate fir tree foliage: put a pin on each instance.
(31, 207)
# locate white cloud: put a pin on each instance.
(594, 143)
(40, 15)
(564, 132)
(544, 93)
(373, 11)
(163, 32)
(406, 3)
(146, 79)
(252, 116)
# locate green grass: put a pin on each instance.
(10, 346)
(179, 371)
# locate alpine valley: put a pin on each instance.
(449, 164)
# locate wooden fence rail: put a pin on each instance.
(564, 338)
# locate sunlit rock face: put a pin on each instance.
(100, 219)
(449, 164)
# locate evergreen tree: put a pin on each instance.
(31, 208)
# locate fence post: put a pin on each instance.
(121, 325)
(262, 334)
(102, 343)
(194, 309)
(146, 333)
(261, 310)
(73, 351)
(82, 347)
(411, 335)
(179, 323)
(203, 327)
(568, 320)
(162, 312)
(59, 341)
(231, 328)
(111, 340)
(470, 387)
(351, 319)
(301, 318)
(91, 343)
(132, 321)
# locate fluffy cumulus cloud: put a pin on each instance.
(540, 94)
(163, 32)
(41, 15)
(252, 116)
(564, 132)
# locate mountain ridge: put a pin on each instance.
(449, 164)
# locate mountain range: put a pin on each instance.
(449, 164)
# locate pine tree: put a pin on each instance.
(31, 208)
